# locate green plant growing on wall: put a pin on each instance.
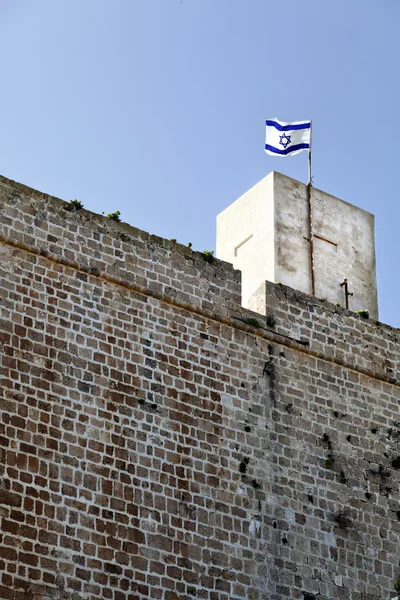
(76, 203)
(115, 216)
(270, 321)
(363, 313)
(173, 240)
(189, 244)
(251, 321)
(208, 255)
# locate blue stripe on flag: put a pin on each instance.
(288, 150)
(287, 127)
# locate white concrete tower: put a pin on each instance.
(265, 234)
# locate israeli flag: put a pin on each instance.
(284, 139)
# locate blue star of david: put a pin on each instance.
(285, 140)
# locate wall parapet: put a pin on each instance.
(332, 332)
(45, 225)
(124, 255)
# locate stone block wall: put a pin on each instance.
(159, 441)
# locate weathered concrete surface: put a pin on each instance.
(245, 236)
(273, 215)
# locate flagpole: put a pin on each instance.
(310, 227)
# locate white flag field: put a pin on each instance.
(287, 139)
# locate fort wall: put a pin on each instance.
(157, 440)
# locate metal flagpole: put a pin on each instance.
(310, 228)
(309, 157)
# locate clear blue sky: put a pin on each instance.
(157, 107)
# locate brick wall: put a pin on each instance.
(159, 441)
